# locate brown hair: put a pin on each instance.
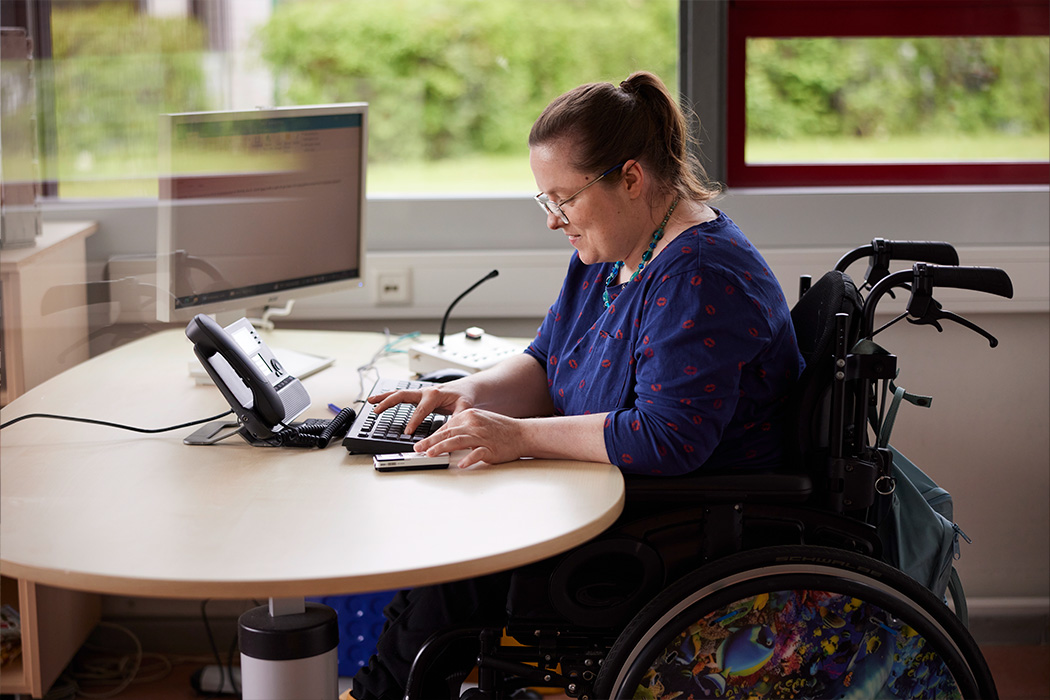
(638, 120)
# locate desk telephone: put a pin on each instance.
(263, 396)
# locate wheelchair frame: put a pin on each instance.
(606, 607)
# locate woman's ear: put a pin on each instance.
(634, 178)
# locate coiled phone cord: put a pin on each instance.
(317, 433)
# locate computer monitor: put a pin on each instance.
(259, 207)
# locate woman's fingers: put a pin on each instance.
(393, 398)
(431, 400)
(426, 401)
(473, 458)
(489, 438)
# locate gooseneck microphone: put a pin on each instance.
(444, 321)
(469, 351)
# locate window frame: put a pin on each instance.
(869, 18)
(35, 18)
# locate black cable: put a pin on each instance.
(234, 644)
(214, 647)
(113, 425)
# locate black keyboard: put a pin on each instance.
(383, 433)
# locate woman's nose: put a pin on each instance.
(554, 221)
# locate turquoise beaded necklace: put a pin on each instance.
(646, 256)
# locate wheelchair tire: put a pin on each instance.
(795, 622)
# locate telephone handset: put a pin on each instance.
(265, 398)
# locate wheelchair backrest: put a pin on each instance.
(814, 319)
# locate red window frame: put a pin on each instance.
(870, 18)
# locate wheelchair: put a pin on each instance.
(756, 585)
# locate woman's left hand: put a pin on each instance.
(492, 438)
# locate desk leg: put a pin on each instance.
(289, 649)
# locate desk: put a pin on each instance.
(95, 509)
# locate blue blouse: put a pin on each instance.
(693, 362)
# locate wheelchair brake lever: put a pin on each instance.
(924, 309)
(933, 314)
(992, 340)
(927, 321)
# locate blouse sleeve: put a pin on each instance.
(698, 333)
(540, 347)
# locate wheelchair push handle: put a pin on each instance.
(923, 309)
(990, 280)
(881, 252)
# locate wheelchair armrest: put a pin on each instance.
(720, 488)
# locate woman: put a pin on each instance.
(669, 349)
(670, 345)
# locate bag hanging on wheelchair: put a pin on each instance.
(918, 534)
(917, 531)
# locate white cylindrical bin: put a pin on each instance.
(289, 656)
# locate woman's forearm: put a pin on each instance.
(565, 437)
(516, 387)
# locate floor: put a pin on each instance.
(1021, 673)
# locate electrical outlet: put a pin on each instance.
(392, 288)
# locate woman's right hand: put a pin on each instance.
(449, 398)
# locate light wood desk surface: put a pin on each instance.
(92, 508)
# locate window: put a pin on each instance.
(878, 92)
(453, 85)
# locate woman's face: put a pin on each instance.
(596, 216)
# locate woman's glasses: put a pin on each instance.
(556, 207)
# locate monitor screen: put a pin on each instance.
(259, 207)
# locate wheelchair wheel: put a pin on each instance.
(795, 622)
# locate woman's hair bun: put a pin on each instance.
(633, 83)
(640, 80)
(641, 120)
